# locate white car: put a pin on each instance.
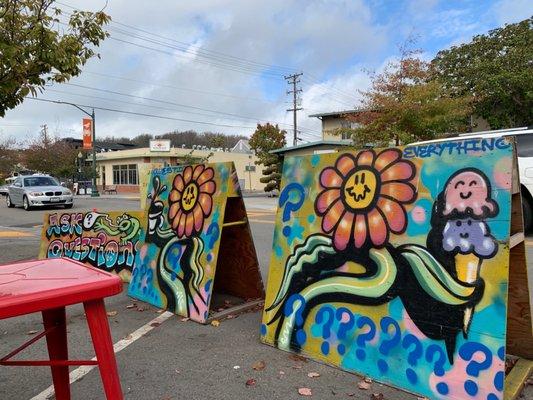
(31, 191)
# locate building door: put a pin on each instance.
(103, 176)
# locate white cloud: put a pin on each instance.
(329, 40)
(319, 37)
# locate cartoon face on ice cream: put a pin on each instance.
(467, 236)
(468, 193)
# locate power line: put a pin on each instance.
(137, 104)
(177, 87)
(209, 60)
(142, 114)
(230, 62)
(220, 62)
(226, 67)
(169, 103)
(213, 58)
(230, 67)
(198, 49)
(341, 92)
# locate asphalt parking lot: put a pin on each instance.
(165, 357)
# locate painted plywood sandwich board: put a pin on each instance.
(196, 243)
(394, 263)
(105, 240)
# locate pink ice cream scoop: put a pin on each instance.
(468, 192)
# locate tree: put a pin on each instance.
(404, 104)
(8, 157)
(496, 70)
(216, 140)
(142, 140)
(190, 159)
(35, 48)
(51, 155)
(265, 139)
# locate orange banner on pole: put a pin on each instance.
(87, 133)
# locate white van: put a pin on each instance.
(524, 149)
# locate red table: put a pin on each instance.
(48, 286)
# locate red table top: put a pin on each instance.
(32, 286)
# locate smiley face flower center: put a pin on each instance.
(190, 196)
(360, 189)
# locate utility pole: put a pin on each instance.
(293, 80)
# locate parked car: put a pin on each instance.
(4, 188)
(31, 191)
(524, 150)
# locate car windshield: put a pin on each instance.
(40, 181)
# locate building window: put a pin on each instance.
(348, 125)
(125, 174)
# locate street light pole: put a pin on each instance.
(94, 191)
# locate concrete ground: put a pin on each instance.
(175, 359)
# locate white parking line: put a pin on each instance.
(80, 372)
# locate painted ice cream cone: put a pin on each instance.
(467, 267)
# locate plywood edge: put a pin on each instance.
(516, 379)
(237, 309)
(516, 239)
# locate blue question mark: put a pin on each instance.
(386, 345)
(214, 232)
(499, 378)
(326, 327)
(364, 337)
(289, 309)
(413, 357)
(344, 327)
(291, 206)
(438, 366)
(466, 352)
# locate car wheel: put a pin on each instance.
(68, 205)
(26, 204)
(8, 202)
(527, 213)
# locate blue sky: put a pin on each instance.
(332, 41)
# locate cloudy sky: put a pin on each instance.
(218, 65)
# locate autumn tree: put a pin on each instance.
(36, 47)
(265, 139)
(9, 157)
(496, 69)
(404, 104)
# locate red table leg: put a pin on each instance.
(103, 347)
(56, 341)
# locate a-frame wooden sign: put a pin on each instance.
(197, 254)
(407, 265)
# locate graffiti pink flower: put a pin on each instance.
(191, 199)
(363, 197)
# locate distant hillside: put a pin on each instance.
(177, 139)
